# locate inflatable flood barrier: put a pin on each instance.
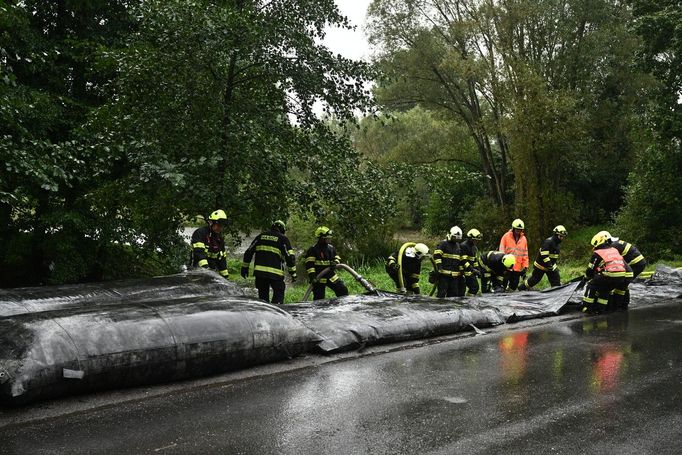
(195, 283)
(85, 348)
(114, 335)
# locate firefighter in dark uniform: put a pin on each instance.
(630, 253)
(272, 250)
(468, 252)
(446, 257)
(494, 265)
(608, 275)
(319, 257)
(405, 265)
(208, 245)
(546, 261)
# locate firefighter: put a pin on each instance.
(208, 245)
(272, 250)
(514, 242)
(494, 265)
(468, 252)
(546, 261)
(407, 265)
(608, 275)
(319, 257)
(630, 253)
(446, 257)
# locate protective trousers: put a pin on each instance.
(511, 280)
(448, 286)
(491, 282)
(535, 277)
(604, 294)
(264, 284)
(338, 286)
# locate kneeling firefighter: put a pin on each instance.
(446, 257)
(404, 266)
(319, 257)
(494, 265)
(609, 277)
(208, 245)
(272, 250)
(630, 253)
(546, 261)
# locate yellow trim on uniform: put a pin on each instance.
(269, 249)
(203, 263)
(224, 272)
(636, 260)
(201, 245)
(262, 268)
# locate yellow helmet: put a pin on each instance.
(474, 234)
(279, 225)
(508, 260)
(219, 216)
(323, 231)
(560, 230)
(420, 250)
(600, 238)
(518, 224)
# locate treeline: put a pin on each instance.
(121, 120)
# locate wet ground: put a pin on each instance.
(609, 384)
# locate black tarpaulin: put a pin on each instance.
(71, 339)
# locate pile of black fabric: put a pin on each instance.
(74, 339)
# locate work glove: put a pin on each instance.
(311, 278)
(394, 266)
(293, 276)
(582, 283)
(245, 272)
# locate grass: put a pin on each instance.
(376, 274)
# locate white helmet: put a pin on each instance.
(420, 250)
(454, 234)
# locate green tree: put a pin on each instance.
(652, 217)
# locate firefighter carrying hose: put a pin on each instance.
(608, 275)
(319, 257)
(272, 251)
(208, 245)
(404, 266)
(446, 257)
(546, 261)
(515, 242)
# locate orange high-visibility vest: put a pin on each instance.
(613, 261)
(519, 249)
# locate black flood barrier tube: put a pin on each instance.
(66, 340)
(86, 348)
(193, 283)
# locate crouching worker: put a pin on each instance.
(447, 259)
(272, 249)
(208, 245)
(546, 261)
(608, 275)
(404, 266)
(319, 257)
(495, 265)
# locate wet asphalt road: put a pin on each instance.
(608, 385)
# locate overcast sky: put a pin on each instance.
(350, 44)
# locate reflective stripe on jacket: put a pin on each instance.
(509, 245)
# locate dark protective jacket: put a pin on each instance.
(549, 254)
(491, 262)
(272, 250)
(607, 262)
(208, 250)
(319, 257)
(629, 252)
(447, 258)
(411, 270)
(468, 253)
